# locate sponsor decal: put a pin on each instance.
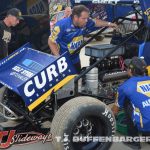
(76, 42)
(47, 75)
(144, 87)
(147, 13)
(107, 114)
(146, 103)
(55, 33)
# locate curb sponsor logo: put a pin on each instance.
(14, 138)
(47, 75)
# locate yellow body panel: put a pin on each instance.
(55, 88)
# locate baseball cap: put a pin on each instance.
(15, 12)
(136, 63)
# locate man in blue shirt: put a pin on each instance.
(134, 97)
(68, 33)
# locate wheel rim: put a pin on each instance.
(89, 126)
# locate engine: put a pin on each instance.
(103, 80)
(103, 84)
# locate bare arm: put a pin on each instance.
(102, 23)
(54, 47)
(115, 109)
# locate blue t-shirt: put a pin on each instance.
(69, 38)
(137, 91)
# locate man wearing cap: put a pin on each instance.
(134, 97)
(11, 20)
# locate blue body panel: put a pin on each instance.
(27, 65)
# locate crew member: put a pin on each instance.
(68, 33)
(134, 97)
(11, 20)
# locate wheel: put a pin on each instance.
(82, 117)
(6, 97)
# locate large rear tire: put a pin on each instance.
(82, 116)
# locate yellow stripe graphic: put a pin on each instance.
(45, 95)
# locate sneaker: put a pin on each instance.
(133, 145)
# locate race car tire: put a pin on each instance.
(78, 115)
